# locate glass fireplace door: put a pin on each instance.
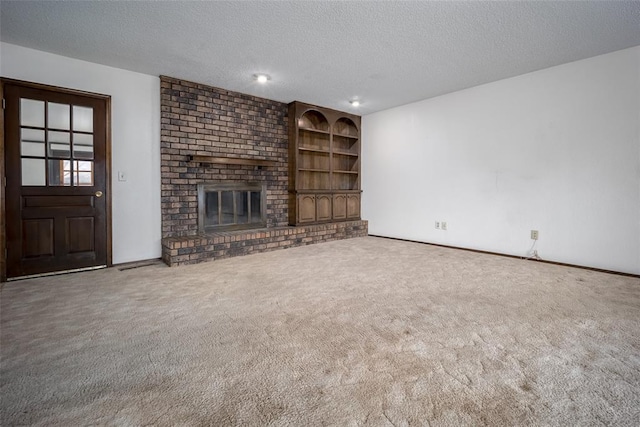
(231, 206)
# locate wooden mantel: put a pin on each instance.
(232, 161)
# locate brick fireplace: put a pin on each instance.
(218, 137)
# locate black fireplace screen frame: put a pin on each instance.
(236, 189)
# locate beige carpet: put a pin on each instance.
(366, 331)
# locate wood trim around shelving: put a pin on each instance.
(232, 161)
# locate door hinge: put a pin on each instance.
(4, 181)
(4, 103)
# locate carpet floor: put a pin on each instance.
(366, 331)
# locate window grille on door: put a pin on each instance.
(56, 144)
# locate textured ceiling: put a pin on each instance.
(386, 53)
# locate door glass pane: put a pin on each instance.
(31, 113)
(32, 142)
(83, 173)
(255, 207)
(59, 144)
(59, 172)
(211, 208)
(82, 146)
(33, 172)
(227, 207)
(82, 119)
(241, 207)
(59, 117)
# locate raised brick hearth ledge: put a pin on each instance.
(225, 244)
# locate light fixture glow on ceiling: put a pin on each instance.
(261, 78)
(355, 102)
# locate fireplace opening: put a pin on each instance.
(231, 206)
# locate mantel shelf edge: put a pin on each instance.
(231, 161)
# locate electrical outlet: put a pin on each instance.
(443, 224)
(534, 234)
(437, 225)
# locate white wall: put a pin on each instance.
(135, 114)
(556, 150)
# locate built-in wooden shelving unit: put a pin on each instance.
(324, 165)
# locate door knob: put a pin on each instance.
(98, 193)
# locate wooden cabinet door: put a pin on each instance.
(323, 207)
(306, 208)
(353, 206)
(339, 206)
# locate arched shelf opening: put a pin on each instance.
(314, 120)
(345, 127)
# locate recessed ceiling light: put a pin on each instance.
(261, 78)
(355, 102)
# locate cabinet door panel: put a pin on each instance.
(353, 206)
(340, 206)
(306, 208)
(323, 207)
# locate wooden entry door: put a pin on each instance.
(56, 164)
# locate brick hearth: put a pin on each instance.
(206, 247)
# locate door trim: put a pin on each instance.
(3, 214)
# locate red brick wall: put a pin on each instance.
(204, 120)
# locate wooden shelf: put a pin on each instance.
(345, 136)
(350, 172)
(313, 170)
(313, 150)
(325, 132)
(344, 153)
(232, 161)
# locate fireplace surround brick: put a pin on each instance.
(200, 120)
(207, 121)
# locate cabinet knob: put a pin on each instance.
(98, 193)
